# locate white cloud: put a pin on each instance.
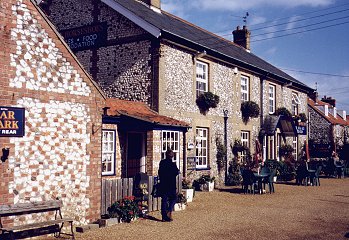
(174, 7)
(291, 23)
(233, 5)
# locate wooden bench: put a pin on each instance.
(34, 229)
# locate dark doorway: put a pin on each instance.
(135, 154)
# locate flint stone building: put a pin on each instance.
(58, 156)
(328, 127)
(142, 53)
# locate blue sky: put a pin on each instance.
(319, 51)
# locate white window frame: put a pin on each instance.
(245, 141)
(272, 147)
(271, 93)
(108, 152)
(295, 103)
(170, 139)
(244, 88)
(201, 147)
(295, 147)
(201, 77)
(278, 144)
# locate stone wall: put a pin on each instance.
(320, 129)
(59, 156)
(177, 78)
(122, 65)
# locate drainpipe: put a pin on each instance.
(261, 116)
(185, 153)
(225, 112)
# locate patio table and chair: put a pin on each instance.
(253, 181)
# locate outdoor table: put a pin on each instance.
(260, 177)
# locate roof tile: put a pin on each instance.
(140, 110)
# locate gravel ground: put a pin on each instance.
(292, 212)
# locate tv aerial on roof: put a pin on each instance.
(245, 18)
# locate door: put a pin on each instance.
(135, 162)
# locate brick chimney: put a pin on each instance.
(329, 100)
(242, 37)
(153, 3)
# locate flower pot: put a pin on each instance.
(207, 187)
(188, 194)
(179, 207)
(275, 179)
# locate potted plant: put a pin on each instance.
(249, 109)
(181, 202)
(300, 119)
(283, 111)
(286, 151)
(126, 209)
(206, 101)
(206, 183)
(187, 190)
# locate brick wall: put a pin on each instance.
(59, 156)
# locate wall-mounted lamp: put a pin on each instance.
(235, 70)
(5, 153)
(105, 111)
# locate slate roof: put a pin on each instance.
(140, 111)
(330, 118)
(171, 25)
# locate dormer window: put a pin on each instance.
(271, 99)
(295, 103)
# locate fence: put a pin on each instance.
(116, 189)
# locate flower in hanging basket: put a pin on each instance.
(206, 101)
(249, 109)
(283, 111)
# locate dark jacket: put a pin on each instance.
(168, 172)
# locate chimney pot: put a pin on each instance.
(153, 3)
(242, 37)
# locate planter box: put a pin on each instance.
(108, 222)
(179, 207)
(207, 187)
(188, 194)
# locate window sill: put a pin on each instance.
(202, 169)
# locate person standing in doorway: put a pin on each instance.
(168, 172)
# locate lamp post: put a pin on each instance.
(225, 112)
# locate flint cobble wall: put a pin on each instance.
(320, 128)
(122, 66)
(59, 156)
